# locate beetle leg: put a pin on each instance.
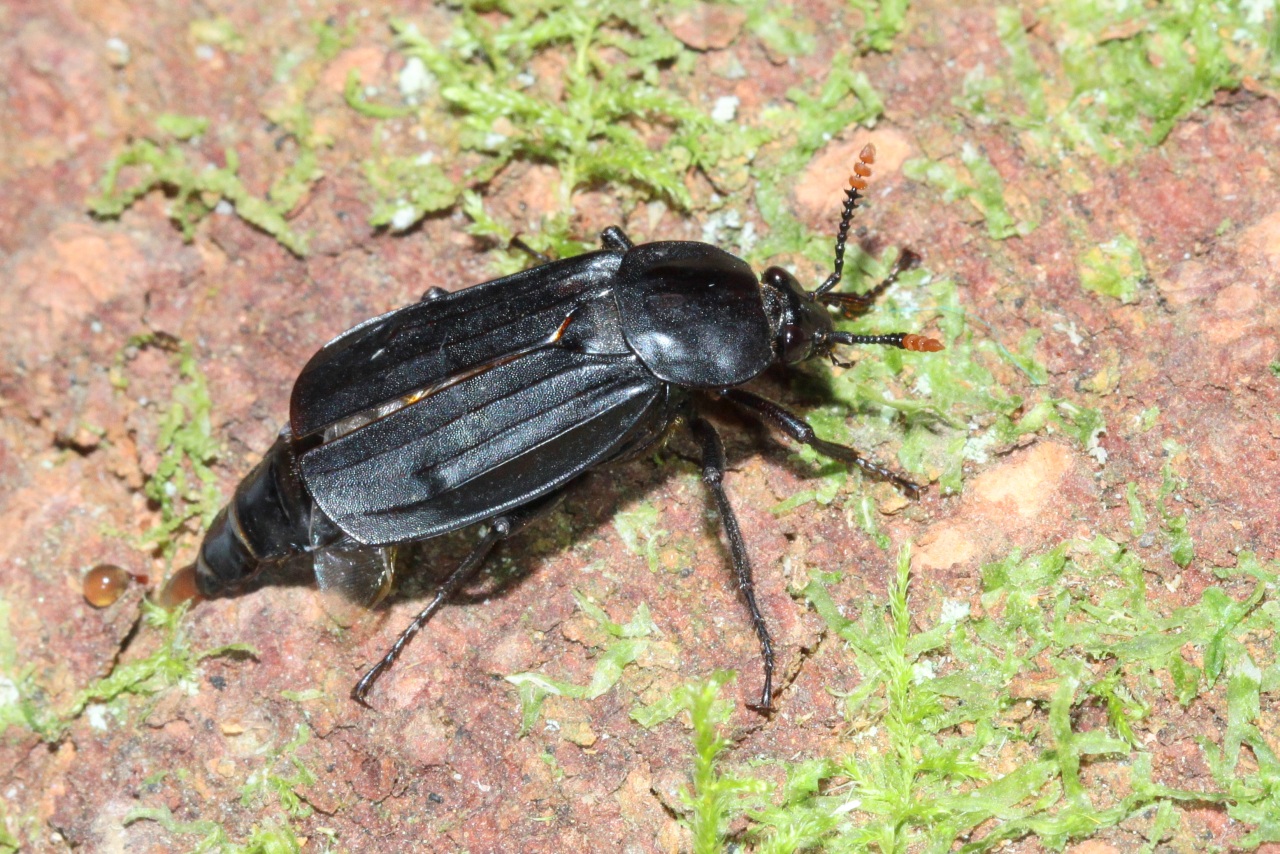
(500, 527)
(800, 430)
(713, 465)
(855, 304)
(615, 238)
(541, 257)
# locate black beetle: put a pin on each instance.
(486, 404)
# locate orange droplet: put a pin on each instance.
(921, 344)
(181, 587)
(857, 183)
(104, 584)
(868, 153)
(862, 169)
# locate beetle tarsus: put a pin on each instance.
(713, 465)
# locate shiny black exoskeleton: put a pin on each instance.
(486, 404)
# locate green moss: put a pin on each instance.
(595, 120)
(883, 21)
(589, 119)
(981, 185)
(1126, 73)
(267, 838)
(1148, 418)
(332, 39)
(217, 32)
(9, 842)
(1181, 548)
(715, 797)
(1137, 515)
(1114, 269)
(843, 100)
(276, 783)
(304, 696)
(271, 783)
(932, 711)
(639, 528)
(196, 189)
(781, 27)
(173, 663)
(23, 702)
(181, 127)
(183, 487)
(407, 189)
(628, 644)
(183, 484)
(970, 725)
(1025, 75)
(353, 92)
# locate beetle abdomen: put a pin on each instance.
(268, 519)
(694, 314)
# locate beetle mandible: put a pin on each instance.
(486, 404)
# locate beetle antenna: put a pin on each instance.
(857, 183)
(901, 340)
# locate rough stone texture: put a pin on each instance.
(437, 765)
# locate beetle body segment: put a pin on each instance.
(267, 520)
(694, 314)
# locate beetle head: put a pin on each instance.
(801, 325)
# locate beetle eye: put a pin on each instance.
(775, 277)
(796, 345)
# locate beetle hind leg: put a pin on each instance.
(713, 465)
(500, 527)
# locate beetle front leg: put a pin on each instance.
(800, 430)
(855, 304)
(500, 527)
(713, 465)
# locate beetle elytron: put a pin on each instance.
(485, 405)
